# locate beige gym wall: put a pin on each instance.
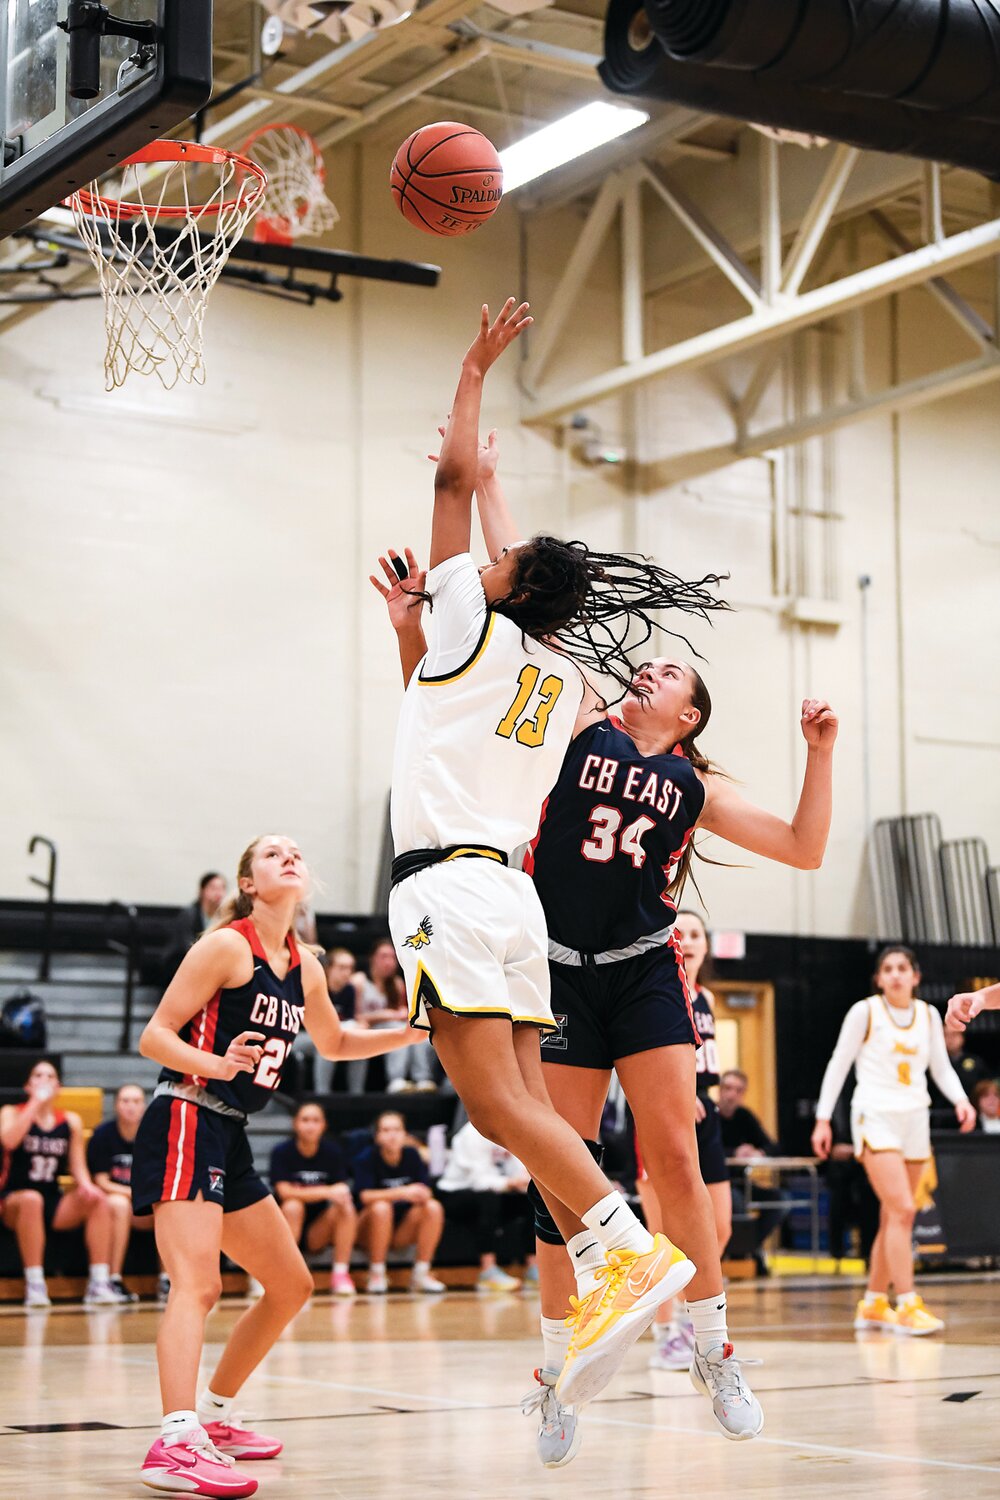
(192, 652)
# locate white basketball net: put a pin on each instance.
(295, 202)
(156, 292)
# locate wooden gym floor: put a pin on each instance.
(419, 1399)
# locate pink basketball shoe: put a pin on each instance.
(193, 1466)
(239, 1442)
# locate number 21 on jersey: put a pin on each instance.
(529, 729)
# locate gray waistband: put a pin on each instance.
(195, 1094)
(560, 955)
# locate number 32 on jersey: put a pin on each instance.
(529, 728)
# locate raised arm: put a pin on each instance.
(499, 527)
(455, 476)
(405, 606)
(801, 842)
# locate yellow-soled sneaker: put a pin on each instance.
(914, 1320)
(875, 1312)
(606, 1324)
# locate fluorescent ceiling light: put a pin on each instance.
(562, 141)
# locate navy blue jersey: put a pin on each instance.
(612, 834)
(39, 1161)
(109, 1151)
(373, 1171)
(706, 1057)
(266, 1004)
(324, 1167)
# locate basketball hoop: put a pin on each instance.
(155, 286)
(295, 202)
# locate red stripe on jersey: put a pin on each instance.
(293, 950)
(203, 1036)
(675, 943)
(672, 864)
(529, 854)
(245, 927)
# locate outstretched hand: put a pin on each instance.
(964, 1008)
(404, 609)
(819, 724)
(493, 338)
(487, 456)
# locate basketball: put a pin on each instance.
(447, 179)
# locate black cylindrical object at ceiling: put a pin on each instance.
(635, 64)
(933, 54)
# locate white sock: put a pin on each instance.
(586, 1254)
(175, 1423)
(340, 1268)
(616, 1226)
(377, 1268)
(708, 1317)
(421, 1268)
(555, 1342)
(906, 1299)
(99, 1272)
(213, 1408)
(34, 1276)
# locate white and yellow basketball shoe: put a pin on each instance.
(875, 1313)
(915, 1320)
(630, 1287)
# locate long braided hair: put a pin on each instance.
(598, 606)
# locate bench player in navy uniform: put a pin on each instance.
(675, 1334)
(309, 1178)
(222, 1031)
(615, 840)
(41, 1144)
(109, 1157)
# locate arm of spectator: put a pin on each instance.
(17, 1119)
(106, 1183)
(317, 1192)
(78, 1159)
(849, 1044)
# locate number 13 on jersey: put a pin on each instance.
(529, 729)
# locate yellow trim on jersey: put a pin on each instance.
(500, 1013)
(480, 647)
(868, 1028)
(912, 1022)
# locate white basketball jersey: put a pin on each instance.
(891, 1068)
(478, 748)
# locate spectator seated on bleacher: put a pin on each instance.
(483, 1185)
(40, 1144)
(986, 1098)
(381, 1002)
(109, 1159)
(309, 1178)
(338, 965)
(744, 1138)
(192, 920)
(397, 1207)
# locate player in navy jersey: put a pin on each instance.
(109, 1157)
(675, 1335)
(309, 1178)
(614, 843)
(222, 1033)
(39, 1145)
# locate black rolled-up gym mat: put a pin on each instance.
(635, 64)
(932, 54)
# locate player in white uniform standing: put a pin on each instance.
(488, 713)
(891, 1039)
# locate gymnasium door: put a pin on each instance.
(744, 1029)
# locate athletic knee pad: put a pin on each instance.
(546, 1228)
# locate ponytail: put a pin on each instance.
(701, 700)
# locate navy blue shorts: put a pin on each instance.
(607, 1011)
(182, 1149)
(711, 1152)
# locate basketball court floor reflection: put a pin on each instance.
(409, 1398)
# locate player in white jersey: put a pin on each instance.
(891, 1039)
(489, 710)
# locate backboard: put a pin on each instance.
(53, 142)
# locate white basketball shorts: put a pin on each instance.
(905, 1130)
(472, 941)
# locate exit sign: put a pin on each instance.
(729, 944)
